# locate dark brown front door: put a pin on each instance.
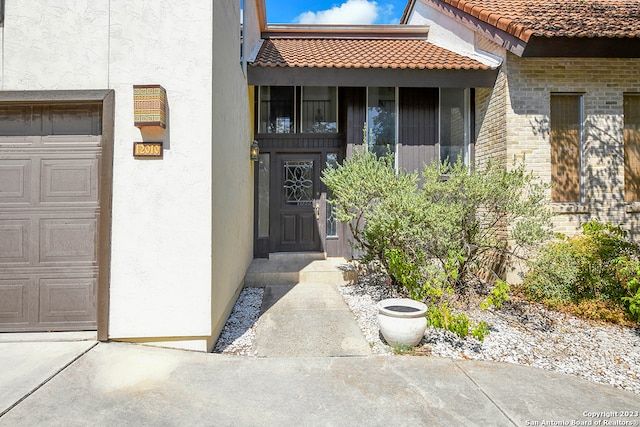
(296, 225)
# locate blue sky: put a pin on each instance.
(335, 11)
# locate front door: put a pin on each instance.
(297, 203)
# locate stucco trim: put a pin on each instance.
(54, 96)
(341, 31)
(106, 183)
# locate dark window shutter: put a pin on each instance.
(566, 120)
(632, 148)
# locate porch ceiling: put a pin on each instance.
(353, 61)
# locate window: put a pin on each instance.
(264, 170)
(332, 221)
(454, 125)
(381, 120)
(243, 57)
(319, 109)
(49, 120)
(632, 147)
(566, 143)
(277, 109)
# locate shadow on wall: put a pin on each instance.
(158, 134)
(602, 166)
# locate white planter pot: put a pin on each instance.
(402, 321)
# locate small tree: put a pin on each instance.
(461, 219)
(457, 229)
(369, 196)
(477, 220)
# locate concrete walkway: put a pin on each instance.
(303, 314)
(307, 320)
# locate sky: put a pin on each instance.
(334, 11)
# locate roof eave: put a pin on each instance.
(359, 77)
(582, 47)
(346, 31)
(407, 12)
(524, 42)
(508, 41)
(262, 14)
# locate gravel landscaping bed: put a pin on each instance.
(240, 330)
(521, 332)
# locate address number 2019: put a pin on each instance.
(145, 149)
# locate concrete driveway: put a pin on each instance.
(119, 384)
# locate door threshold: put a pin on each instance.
(311, 255)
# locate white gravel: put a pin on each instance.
(240, 330)
(521, 333)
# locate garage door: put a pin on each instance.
(49, 216)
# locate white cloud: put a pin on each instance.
(350, 12)
(388, 15)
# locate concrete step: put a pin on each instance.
(297, 256)
(292, 268)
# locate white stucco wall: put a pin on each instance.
(232, 187)
(161, 245)
(182, 228)
(448, 33)
(51, 45)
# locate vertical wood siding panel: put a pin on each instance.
(417, 127)
(353, 101)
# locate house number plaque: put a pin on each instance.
(147, 149)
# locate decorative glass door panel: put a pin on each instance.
(297, 227)
(299, 182)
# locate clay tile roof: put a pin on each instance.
(361, 53)
(557, 18)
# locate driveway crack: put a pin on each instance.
(36, 388)
(457, 365)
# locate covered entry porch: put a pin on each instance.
(324, 92)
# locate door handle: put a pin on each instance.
(317, 210)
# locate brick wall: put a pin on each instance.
(526, 92)
(491, 112)
(490, 122)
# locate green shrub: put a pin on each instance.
(446, 235)
(440, 316)
(480, 330)
(552, 276)
(595, 273)
(423, 281)
(376, 202)
(481, 218)
(628, 274)
(460, 219)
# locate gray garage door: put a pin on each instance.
(49, 215)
